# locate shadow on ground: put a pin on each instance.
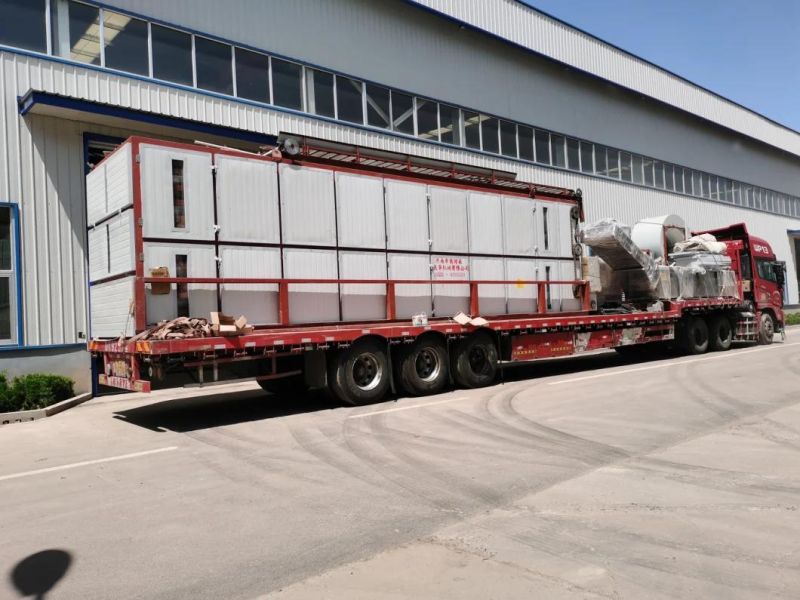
(37, 574)
(218, 410)
(229, 408)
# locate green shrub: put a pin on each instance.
(792, 318)
(36, 390)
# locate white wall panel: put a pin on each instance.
(119, 179)
(96, 205)
(360, 214)
(406, 216)
(311, 303)
(491, 298)
(258, 302)
(308, 209)
(448, 215)
(158, 203)
(111, 303)
(363, 301)
(450, 298)
(98, 253)
(520, 234)
(247, 200)
(200, 262)
(522, 297)
(411, 299)
(485, 223)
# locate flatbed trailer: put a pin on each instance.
(290, 353)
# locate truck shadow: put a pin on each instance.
(190, 413)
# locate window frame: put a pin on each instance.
(15, 289)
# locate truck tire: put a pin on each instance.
(359, 374)
(423, 367)
(295, 384)
(720, 333)
(474, 361)
(694, 335)
(766, 329)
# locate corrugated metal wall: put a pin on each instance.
(520, 24)
(398, 44)
(41, 167)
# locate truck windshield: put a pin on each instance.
(766, 270)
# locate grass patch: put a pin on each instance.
(792, 318)
(36, 390)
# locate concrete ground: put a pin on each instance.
(597, 477)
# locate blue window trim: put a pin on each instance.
(16, 230)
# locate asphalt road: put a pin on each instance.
(593, 477)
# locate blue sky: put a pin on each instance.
(747, 51)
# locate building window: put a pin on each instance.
(378, 112)
(508, 139)
(178, 204)
(697, 184)
(587, 157)
(172, 55)
(213, 65)
(8, 275)
(402, 113)
(287, 89)
(638, 171)
(76, 31)
(125, 43)
(23, 24)
(573, 154)
(427, 119)
(349, 100)
(679, 180)
(525, 136)
(252, 75)
(669, 177)
(557, 151)
(472, 135)
(490, 134)
(658, 168)
(612, 159)
(647, 171)
(449, 124)
(737, 194)
(319, 93)
(625, 166)
(542, 147)
(547, 287)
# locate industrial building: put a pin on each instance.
(488, 83)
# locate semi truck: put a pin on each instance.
(365, 272)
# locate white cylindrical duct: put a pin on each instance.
(658, 235)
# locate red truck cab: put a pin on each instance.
(762, 276)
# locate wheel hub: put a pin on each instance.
(477, 359)
(367, 371)
(427, 365)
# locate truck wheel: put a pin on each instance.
(359, 374)
(475, 361)
(720, 333)
(424, 367)
(695, 335)
(766, 329)
(294, 384)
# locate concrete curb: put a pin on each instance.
(22, 416)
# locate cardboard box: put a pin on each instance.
(160, 289)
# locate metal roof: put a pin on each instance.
(520, 25)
